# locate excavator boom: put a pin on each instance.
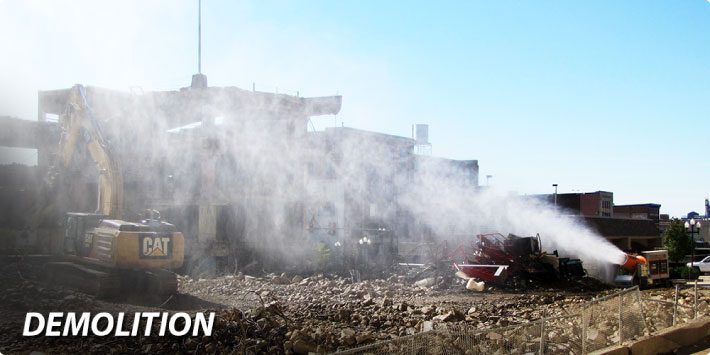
(79, 122)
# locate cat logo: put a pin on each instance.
(155, 247)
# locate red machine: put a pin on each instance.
(513, 260)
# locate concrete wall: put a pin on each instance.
(667, 341)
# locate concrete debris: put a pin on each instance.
(462, 275)
(428, 282)
(428, 310)
(316, 314)
(451, 316)
(474, 285)
(427, 326)
(363, 338)
(494, 336)
(301, 346)
(592, 334)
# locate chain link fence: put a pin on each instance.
(600, 323)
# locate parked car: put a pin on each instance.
(702, 265)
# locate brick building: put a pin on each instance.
(592, 204)
(628, 234)
(650, 211)
(633, 227)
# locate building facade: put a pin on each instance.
(650, 211)
(629, 227)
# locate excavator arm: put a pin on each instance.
(81, 127)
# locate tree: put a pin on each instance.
(676, 240)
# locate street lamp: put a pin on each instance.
(488, 180)
(555, 186)
(365, 240)
(693, 225)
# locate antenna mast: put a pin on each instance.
(199, 80)
(199, 36)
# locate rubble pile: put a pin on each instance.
(24, 291)
(332, 313)
(660, 315)
(293, 314)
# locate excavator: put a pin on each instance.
(103, 254)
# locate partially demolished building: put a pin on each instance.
(236, 171)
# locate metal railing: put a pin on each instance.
(598, 324)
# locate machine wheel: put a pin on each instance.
(519, 283)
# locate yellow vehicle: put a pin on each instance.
(104, 254)
(648, 269)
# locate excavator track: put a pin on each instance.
(84, 278)
(112, 283)
(155, 282)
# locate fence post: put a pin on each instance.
(584, 330)
(675, 305)
(621, 338)
(695, 303)
(542, 333)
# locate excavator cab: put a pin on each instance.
(75, 228)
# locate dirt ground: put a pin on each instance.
(282, 313)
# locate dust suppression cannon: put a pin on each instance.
(649, 268)
(632, 261)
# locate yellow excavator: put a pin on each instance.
(104, 254)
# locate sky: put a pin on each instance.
(590, 95)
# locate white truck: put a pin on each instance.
(702, 265)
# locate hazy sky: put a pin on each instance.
(592, 95)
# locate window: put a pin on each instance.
(658, 267)
(663, 267)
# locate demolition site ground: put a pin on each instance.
(285, 313)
